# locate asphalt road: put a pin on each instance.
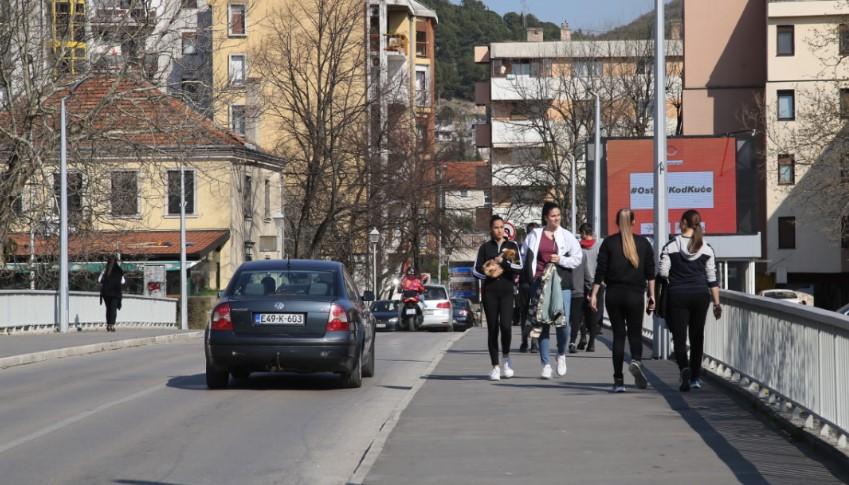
(144, 416)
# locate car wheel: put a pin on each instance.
(368, 369)
(216, 378)
(240, 374)
(354, 378)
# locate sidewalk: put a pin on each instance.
(461, 428)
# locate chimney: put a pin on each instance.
(675, 30)
(534, 34)
(565, 33)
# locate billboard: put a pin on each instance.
(701, 175)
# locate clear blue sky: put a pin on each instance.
(592, 15)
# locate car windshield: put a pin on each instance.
(435, 293)
(781, 295)
(306, 283)
(460, 304)
(384, 306)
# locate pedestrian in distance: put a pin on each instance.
(689, 264)
(552, 244)
(523, 297)
(592, 318)
(581, 280)
(111, 281)
(497, 264)
(626, 264)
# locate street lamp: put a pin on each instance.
(64, 311)
(374, 240)
(280, 221)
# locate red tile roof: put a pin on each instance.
(465, 175)
(137, 243)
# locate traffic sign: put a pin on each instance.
(509, 231)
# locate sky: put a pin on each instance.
(588, 15)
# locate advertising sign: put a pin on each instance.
(154, 280)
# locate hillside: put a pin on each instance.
(643, 26)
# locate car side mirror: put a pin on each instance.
(368, 296)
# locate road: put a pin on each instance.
(145, 416)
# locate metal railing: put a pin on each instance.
(33, 310)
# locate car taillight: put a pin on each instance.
(444, 305)
(338, 319)
(221, 317)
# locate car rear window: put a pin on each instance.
(384, 306)
(305, 283)
(462, 304)
(435, 293)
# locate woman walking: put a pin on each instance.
(626, 264)
(497, 264)
(552, 244)
(690, 266)
(111, 279)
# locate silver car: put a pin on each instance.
(438, 313)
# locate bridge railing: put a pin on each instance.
(34, 310)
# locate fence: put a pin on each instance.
(28, 310)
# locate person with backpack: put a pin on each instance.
(689, 264)
(111, 280)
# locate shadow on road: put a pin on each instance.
(142, 482)
(263, 382)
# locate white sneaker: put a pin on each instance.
(506, 369)
(561, 365)
(546, 372)
(495, 375)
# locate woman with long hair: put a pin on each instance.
(111, 279)
(552, 244)
(497, 264)
(690, 266)
(626, 264)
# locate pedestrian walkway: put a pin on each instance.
(462, 429)
(27, 343)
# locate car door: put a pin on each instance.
(362, 316)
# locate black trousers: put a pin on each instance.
(687, 312)
(625, 308)
(576, 317)
(498, 307)
(593, 320)
(520, 313)
(111, 309)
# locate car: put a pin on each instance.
(844, 310)
(386, 314)
(790, 296)
(464, 314)
(437, 308)
(292, 316)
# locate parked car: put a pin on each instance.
(387, 314)
(438, 313)
(293, 316)
(791, 296)
(464, 314)
(844, 310)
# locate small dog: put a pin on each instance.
(493, 269)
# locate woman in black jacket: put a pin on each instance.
(497, 264)
(111, 280)
(626, 264)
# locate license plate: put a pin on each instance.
(411, 311)
(381, 325)
(279, 318)
(430, 312)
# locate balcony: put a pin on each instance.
(515, 133)
(518, 88)
(483, 135)
(482, 93)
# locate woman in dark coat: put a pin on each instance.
(111, 280)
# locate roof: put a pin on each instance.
(581, 49)
(466, 175)
(414, 7)
(136, 243)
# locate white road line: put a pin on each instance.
(74, 419)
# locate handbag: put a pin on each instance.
(662, 291)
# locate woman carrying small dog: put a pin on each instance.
(497, 264)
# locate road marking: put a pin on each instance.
(74, 419)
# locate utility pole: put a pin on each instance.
(64, 311)
(184, 303)
(661, 214)
(597, 168)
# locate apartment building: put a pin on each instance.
(539, 102)
(807, 151)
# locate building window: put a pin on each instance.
(844, 103)
(844, 39)
(786, 170)
(237, 69)
(190, 87)
(124, 197)
(786, 105)
(643, 66)
(786, 42)
(267, 244)
(786, 233)
(174, 192)
(588, 69)
(189, 3)
(421, 43)
(189, 43)
(266, 212)
(237, 119)
(237, 19)
(422, 94)
(75, 193)
(248, 197)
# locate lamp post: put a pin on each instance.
(184, 293)
(374, 240)
(597, 167)
(64, 311)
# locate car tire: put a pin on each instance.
(216, 378)
(368, 369)
(354, 379)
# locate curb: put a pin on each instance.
(375, 448)
(31, 358)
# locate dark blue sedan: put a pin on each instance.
(386, 314)
(290, 316)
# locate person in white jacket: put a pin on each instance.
(553, 244)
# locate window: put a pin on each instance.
(422, 97)
(189, 4)
(521, 67)
(174, 192)
(266, 212)
(189, 43)
(786, 170)
(248, 197)
(237, 69)
(786, 233)
(786, 43)
(267, 244)
(190, 87)
(844, 39)
(124, 197)
(75, 193)
(587, 69)
(786, 105)
(237, 119)
(421, 43)
(643, 67)
(844, 103)
(237, 20)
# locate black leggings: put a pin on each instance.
(688, 311)
(625, 308)
(576, 318)
(111, 309)
(498, 307)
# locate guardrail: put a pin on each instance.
(34, 310)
